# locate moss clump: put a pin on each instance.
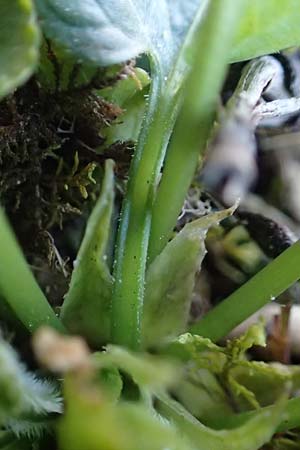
(48, 153)
(49, 167)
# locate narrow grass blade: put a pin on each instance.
(17, 284)
(265, 286)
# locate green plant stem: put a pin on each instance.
(134, 231)
(196, 117)
(132, 243)
(266, 285)
(18, 286)
(291, 417)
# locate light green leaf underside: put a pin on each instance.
(19, 43)
(106, 32)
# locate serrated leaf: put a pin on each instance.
(86, 308)
(170, 280)
(19, 43)
(108, 32)
(266, 27)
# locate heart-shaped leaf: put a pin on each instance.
(106, 32)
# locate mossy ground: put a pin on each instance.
(50, 171)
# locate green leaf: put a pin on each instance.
(266, 381)
(170, 280)
(106, 33)
(59, 71)
(267, 27)
(18, 287)
(129, 94)
(93, 423)
(250, 383)
(110, 381)
(209, 53)
(202, 394)
(146, 370)
(200, 351)
(86, 309)
(126, 88)
(249, 436)
(19, 43)
(291, 418)
(164, 102)
(96, 32)
(264, 287)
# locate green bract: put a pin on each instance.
(19, 42)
